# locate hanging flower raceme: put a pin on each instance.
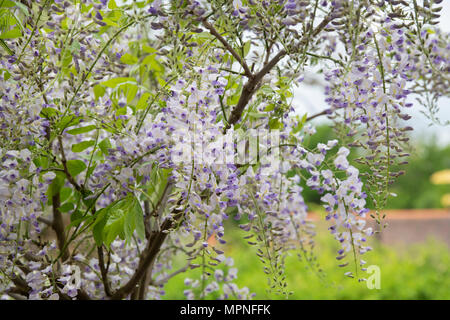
(132, 134)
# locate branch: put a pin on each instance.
(147, 212)
(104, 271)
(66, 170)
(216, 34)
(142, 290)
(45, 221)
(251, 86)
(324, 112)
(148, 256)
(156, 210)
(16, 296)
(21, 286)
(58, 226)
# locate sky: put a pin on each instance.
(311, 99)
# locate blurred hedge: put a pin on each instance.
(407, 272)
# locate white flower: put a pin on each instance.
(13, 153)
(368, 231)
(54, 296)
(125, 175)
(25, 155)
(309, 129)
(48, 176)
(315, 159)
(189, 294)
(4, 192)
(232, 274)
(237, 4)
(218, 274)
(341, 160)
(332, 143)
(328, 198)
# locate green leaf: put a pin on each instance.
(65, 193)
(131, 92)
(66, 207)
(42, 161)
(300, 123)
(75, 167)
(82, 130)
(269, 107)
(11, 34)
(98, 226)
(115, 221)
(77, 215)
(78, 147)
(256, 115)
(49, 112)
(75, 47)
(76, 218)
(56, 184)
(68, 121)
(266, 89)
(142, 103)
(109, 22)
(157, 183)
(247, 48)
(112, 4)
(7, 4)
(6, 74)
(93, 166)
(233, 100)
(104, 145)
(154, 64)
(120, 219)
(274, 123)
(128, 59)
(113, 83)
(135, 221)
(148, 49)
(22, 7)
(66, 59)
(99, 91)
(87, 198)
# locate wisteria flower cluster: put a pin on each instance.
(134, 135)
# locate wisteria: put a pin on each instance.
(133, 136)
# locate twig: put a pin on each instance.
(324, 112)
(325, 57)
(58, 226)
(173, 274)
(104, 271)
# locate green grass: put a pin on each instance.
(419, 271)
